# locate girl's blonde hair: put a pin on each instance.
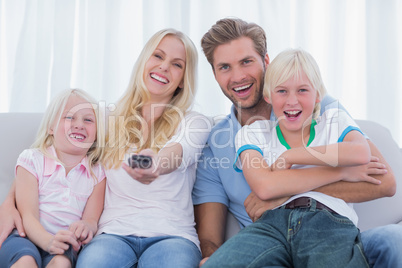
(52, 118)
(126, 124)
(291, 63)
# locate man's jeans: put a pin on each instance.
(383, 246)
(107, 250)
(300, 237)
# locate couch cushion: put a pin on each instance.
(18, 133)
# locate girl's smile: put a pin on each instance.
(75, 133)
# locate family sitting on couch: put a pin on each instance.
(60, 204)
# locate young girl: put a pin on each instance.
(59, 185)
(148, 218)
(311, 229)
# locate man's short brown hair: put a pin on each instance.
(229, 29)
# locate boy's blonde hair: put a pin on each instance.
(126, 124)
(52, 118)
(291, 63)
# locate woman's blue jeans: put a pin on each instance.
(301, 237)
(108, 250)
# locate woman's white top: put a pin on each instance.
(163, 207)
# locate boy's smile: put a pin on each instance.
(293, 103)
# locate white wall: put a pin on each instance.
(46, 46)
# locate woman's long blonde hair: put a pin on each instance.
(126, 123)
(52, 118)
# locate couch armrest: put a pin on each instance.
(384, 210)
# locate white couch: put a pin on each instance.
(19, 131)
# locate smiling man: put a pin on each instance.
(238, 55)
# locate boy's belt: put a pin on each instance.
(305, 202)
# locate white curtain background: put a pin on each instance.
(50, 45)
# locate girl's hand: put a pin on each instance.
(83, 231)
(61, 241)
(363, 172)
(145, 176)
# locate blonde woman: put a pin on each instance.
(148, 215)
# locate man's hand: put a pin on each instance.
(255, 207)
(10, 218)
(203, 261)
